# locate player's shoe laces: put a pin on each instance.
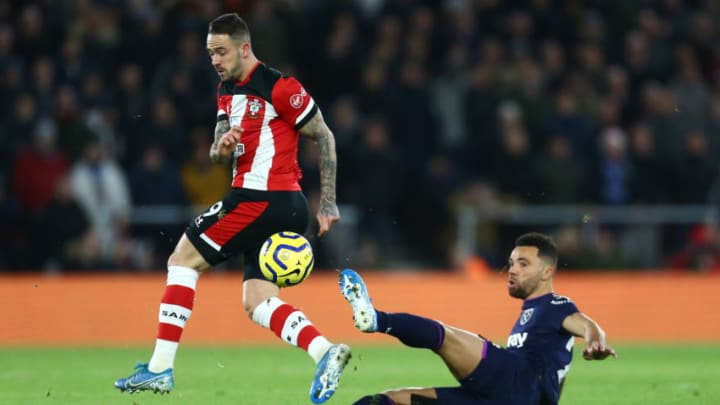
(145, 380)
(327, 376)
(353, 288)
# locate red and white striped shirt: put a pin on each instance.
(270, 108)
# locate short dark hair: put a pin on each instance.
(547, 249)
(232, 25)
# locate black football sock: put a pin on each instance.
(377, 399)
(412, 330)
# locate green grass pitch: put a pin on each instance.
(643, 375)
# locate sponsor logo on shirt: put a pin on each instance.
(517, 339)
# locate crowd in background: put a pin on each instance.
(109, 105)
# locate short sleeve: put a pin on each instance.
(224, 101)
(292, 103)
(562, 308)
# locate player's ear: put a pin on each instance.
(548, 272)
(245, 49)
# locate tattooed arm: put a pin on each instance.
(318, 131)
(221, 150)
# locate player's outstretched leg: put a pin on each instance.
(329, 370)
(412, 330)
(145, 380)
(353, 288)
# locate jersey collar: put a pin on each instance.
(533, 301)
(247, 79)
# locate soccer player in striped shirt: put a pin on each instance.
(529, 371)
(261, 114)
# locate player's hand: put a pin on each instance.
(228, 142)
(598, 351)
(327, 215)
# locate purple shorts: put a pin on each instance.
(501, 378)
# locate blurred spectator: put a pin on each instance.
(561, 176)
(269, 33)
(187, 79)
(512, 166)
(64, 232)
(38, 167)
(204, 183)
(346, 122)
(132, 107)
(567, 121)
(431, 210)
(614, 171)
(155, 181)
(480, 197)
(101, 189)
(23, 121)
(447, 94)
(701, 252)
(73, 62)
(694, 172)
(94, 92)
(376, 168)
(340, 64)
(481, 106)
(43, 82)
(32, 34)
(73, 133)
(410, 117)
(661, 114)
(649, 181)
(377, 91)
(7, 40)
(15, 124)
(164, 130)
(603, 253)
(689, 90)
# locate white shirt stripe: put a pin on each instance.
(257, 177)
(305, 112)
(237, 109)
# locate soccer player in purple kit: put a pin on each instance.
(533, 366)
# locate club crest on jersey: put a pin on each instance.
(297, 100)
(526, 315)
(254, 107)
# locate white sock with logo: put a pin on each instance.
(292, 326)
(175, 309)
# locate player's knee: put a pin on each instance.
(257, 292)
(190, 259)
(249, 309)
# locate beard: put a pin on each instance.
(523, 290)
(518, 292)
